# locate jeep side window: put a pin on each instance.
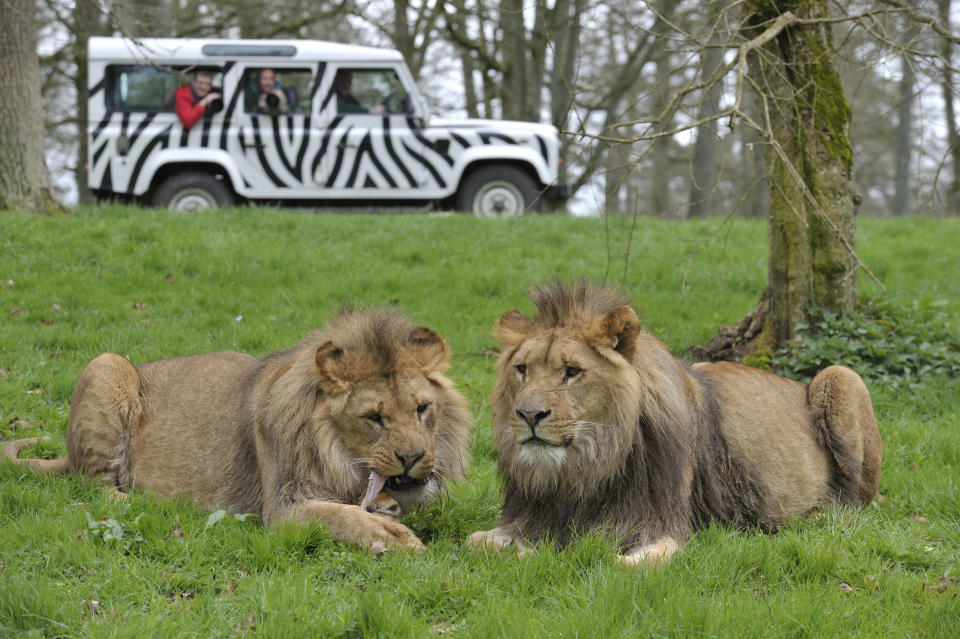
(276, 91)
(370, 91)
(132, 88)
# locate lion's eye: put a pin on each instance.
(571, 372)
(521, 368)
(421, 409)
(375, 418)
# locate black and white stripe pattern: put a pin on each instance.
(310, 155)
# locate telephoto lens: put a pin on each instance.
(215, 106)
(272, 100)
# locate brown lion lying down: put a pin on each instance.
(302, 434)
(598, 427)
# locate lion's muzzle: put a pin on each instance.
(532, 417)
(406, 482)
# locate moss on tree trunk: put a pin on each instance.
(812, 229)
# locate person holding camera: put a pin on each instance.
(192, 100)
(272, 98)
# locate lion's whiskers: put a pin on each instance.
(580, 423)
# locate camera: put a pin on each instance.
(215, 106)
(272, 100)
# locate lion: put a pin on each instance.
(296, 436)
(599, 428)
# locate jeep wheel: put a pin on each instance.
(192, 191)
(498, 192)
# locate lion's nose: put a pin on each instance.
(532, 417)
(409, 459)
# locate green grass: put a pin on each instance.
(149, 284)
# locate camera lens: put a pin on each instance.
(215, 106)
(272, 100)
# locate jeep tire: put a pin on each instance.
(498, 192)
(192, 191)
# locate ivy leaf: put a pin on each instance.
(215, 517)
(245, 516)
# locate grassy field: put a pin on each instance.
(150, 285)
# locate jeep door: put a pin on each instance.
(373, 147)
(271, 126)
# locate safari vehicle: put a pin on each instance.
(380, 147)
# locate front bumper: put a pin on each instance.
(557, 191)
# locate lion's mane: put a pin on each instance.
(232, 423)
(655, 434)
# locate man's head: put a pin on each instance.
(267, 80)
(202, 82)
(344, 81)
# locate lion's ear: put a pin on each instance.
(427, 347)
(330, 365)
(619, 330)
(512, 327)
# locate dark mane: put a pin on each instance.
(560, 304)
(635, 505)
(645, 499)
(651, 493)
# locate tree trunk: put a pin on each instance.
(812, 224)
(908, 82)
(566, 34)
(705, 149)
(952, 197)
(615, 174)
(810, 160)
(24, 179)
(755, 181)
(469, 88)
(513, 48)
(660, 201)
(86, 23)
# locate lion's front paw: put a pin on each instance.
(379, 534)
(354, 525)
(496, 539)
(650, 555)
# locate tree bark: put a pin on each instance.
(566, 35)
(812, 224)
(952, 198)
(513, 49)
(812, 228)
(86, 23)
(753, 153)
(705, 148)
(908, 82)
(469, 88)
(24, 179)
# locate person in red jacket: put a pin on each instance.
(192, 99)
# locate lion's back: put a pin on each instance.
(195, 436)
(766, 423)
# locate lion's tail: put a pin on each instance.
(12, 449)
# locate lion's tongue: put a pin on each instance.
(374, 486)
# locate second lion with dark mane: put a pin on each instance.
(598, 427)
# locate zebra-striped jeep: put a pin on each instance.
(297, 120)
